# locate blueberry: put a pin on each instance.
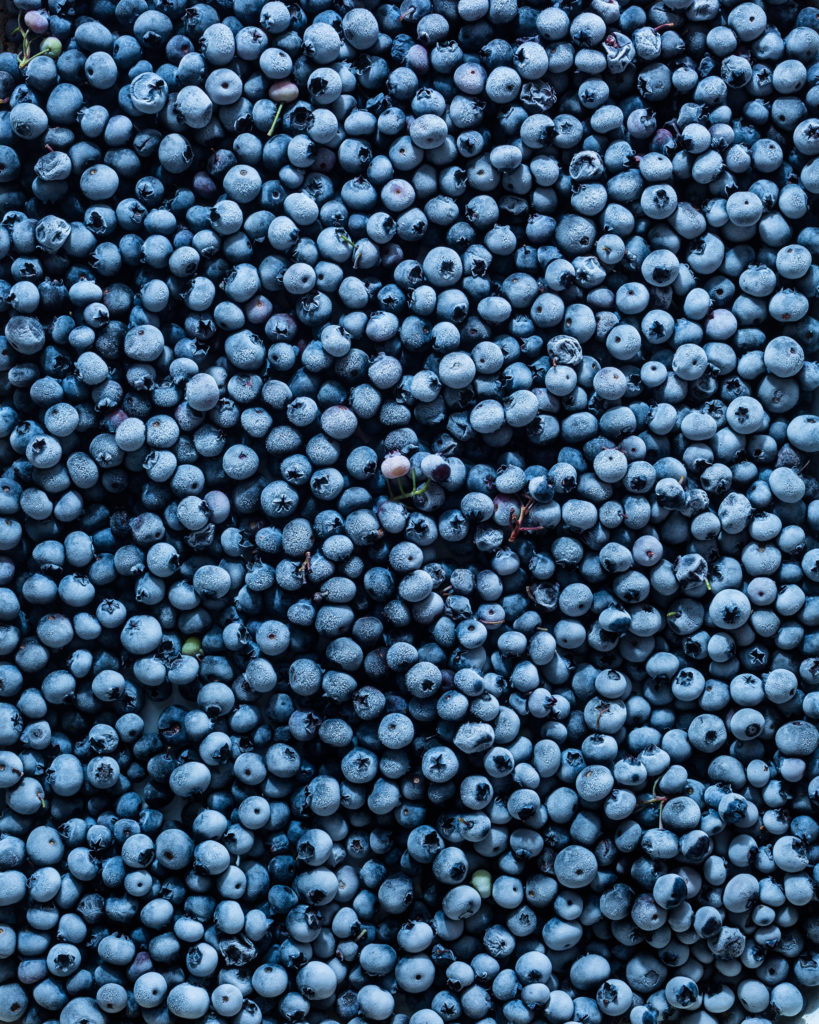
(444, 376)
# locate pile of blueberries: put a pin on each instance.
(409, 512)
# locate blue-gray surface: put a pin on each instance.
(408, 512)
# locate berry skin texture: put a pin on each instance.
(409, 517)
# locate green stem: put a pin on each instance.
(25, 57)
(27, 60)
(279, 110)
(406, 495)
